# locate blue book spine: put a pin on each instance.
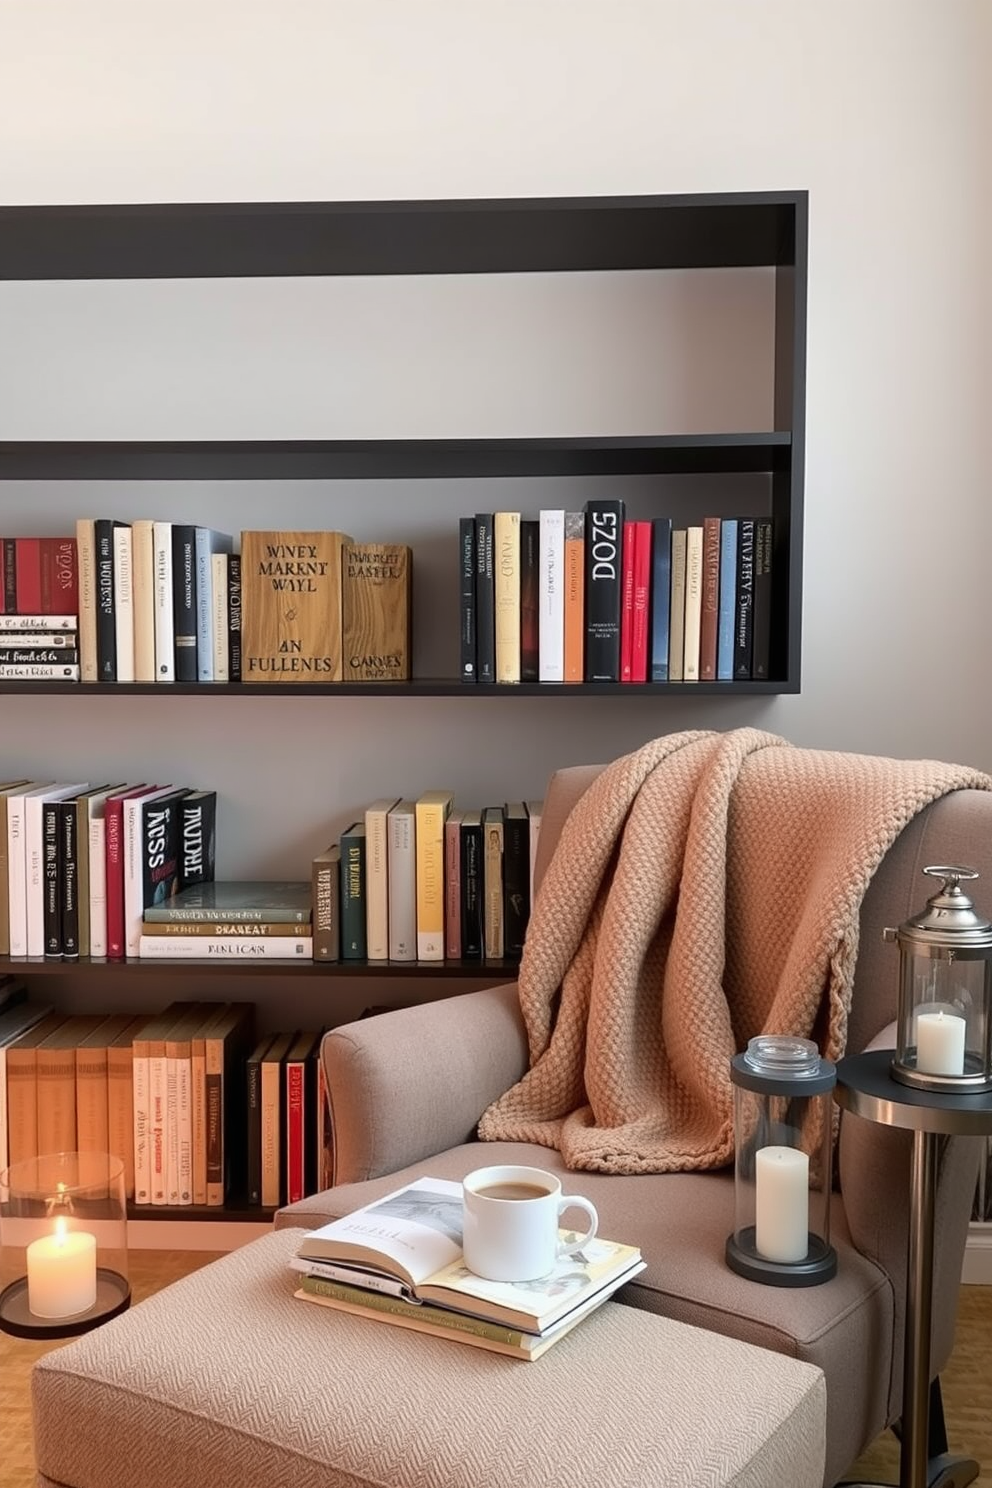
(207, 543)
(728, 601)
(661, 595)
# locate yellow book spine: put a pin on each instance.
(431, 814)
(506, 594)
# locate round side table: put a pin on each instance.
(865, 1087)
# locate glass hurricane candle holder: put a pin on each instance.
(944, 1029)
(63, 1244)
(783, 1149)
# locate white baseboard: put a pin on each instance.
(977, 1268)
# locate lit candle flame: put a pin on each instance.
(61, 1228)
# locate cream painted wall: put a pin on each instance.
(875, 106)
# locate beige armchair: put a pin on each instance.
(408, 1088)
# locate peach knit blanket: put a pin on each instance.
(705, 888)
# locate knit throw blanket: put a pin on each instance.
(705, 889)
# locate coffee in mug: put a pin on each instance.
(510, 1222)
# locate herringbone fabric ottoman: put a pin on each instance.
(224, 1379)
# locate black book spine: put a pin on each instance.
(762, 607)
(604, 547)
(234, 617)
(197, 839)
(466, 571)
(516, 879)
(744, 623)
(106, 624)
(9, 576)
(69, 873)
(51, 843)
(38, 655)
(485, 599)
(184, 600)
(354, 939)
(530, 570)
(472, 891)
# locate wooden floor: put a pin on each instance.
(967, 1383)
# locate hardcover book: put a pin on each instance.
(466, 598)
(485, 598)
(253, 1120)
(291, 606)
(207, 542)
(709, 618)
(492, 882)
(693, 603)
(234, 899)
(124, 601)
(530, 579)
(197, 838)
(603, 593)
(676, 609)
(516, 878)
(639, 645)
(401, 869)
(325, 896)
(506, 594)
(354, 931)
(744, 621)
(551, 596)
(762, 627)
(300, 1071)
(376, 612)
(273, 1120)
(143, 589)
(234, 617)
(431, 814)
(377, 878)
(728, 600)
(574, 619)
(106, 623)
(184, 600)
(472, 887)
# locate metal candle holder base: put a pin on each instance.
(819, 1265)
(113, 1296)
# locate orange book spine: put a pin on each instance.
(575, 618)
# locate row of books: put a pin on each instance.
(80, 864)
(167, 602)
(592, 596)
(198, 1109)
(39, 648)
(399, 1261)
(424, 880)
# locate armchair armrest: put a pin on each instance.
(408, 1084)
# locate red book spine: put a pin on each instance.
(28, 564)
(294, 1133)
(627, 602)
(642, 593)
(59, 576)
(114, 828)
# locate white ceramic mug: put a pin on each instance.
(510, 1222)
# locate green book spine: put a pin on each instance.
(354, 937)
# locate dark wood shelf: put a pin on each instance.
(398, 459)
(218, 240)
(235, 1210)
(492, 971)
(422, 687)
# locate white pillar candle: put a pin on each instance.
(781, 1231)
(61, 1273)
(940, 1044)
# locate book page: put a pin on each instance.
(575, 1277)
(411, 1233)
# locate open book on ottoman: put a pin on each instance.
(400, 1260)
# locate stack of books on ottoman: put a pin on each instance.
(400, 1261)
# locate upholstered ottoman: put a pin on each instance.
(224, 1379)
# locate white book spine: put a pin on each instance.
(124, 603)
(158, 1095)
(34, 892)
(98, 886)
(172, 1129)
(230, 948)
(17, 902)
(143, 585)
(218, 618)
(551, 597)
(48, 671)
(693, 603)
(86, 561)
(184, 1105)
(38, 622)
(165, 661)
(142, 1157)
(401, 851)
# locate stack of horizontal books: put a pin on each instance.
(232, 920)
(400, 1261)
